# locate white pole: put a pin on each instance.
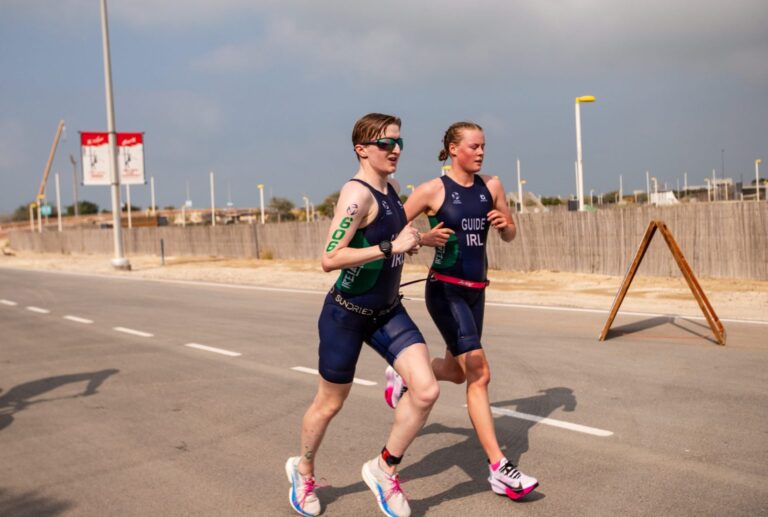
(576, 175)
(709, 189)
(152, 193)
(58, 200)
(579, 164)
(621, 188)
(306, 206)
(184, 215)
(119, 262)
(31, 217)
(213, 203)
(714, 186)
(685, 183)
(648, 186)
(757, 180)
(128, 202)
(520, 189)
(261, 201)
(312, 206)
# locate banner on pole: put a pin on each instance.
(95, 158)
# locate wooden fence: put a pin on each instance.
(727, 240)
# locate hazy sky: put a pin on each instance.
(268, 91)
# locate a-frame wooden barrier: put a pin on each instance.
(709, 313)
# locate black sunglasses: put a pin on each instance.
(386, 144)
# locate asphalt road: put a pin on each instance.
(658, 420)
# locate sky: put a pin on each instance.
(268, 91)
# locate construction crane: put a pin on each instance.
(41, 190)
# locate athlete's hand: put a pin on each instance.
(437, 236)
(498, 220)
(407, 240)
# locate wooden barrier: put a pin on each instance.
(725, 240)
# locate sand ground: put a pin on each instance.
(731, 298)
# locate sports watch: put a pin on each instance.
(386, 248)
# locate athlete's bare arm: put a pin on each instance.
(427, 199)
(500, 217)
(354, 209)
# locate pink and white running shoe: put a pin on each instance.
(395, 389)
(508, 480)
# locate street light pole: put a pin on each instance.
(757, 179)
(213, 203)
(520, 189)
(119, 262)
(306, 205)
(580, 165)
(74, 183)
(261, 200)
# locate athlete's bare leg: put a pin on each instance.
(413, 409)
(478, 374)
(328, 402)
(448, 369)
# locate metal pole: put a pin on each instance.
(685, 183)
(74, 183)
(58, 200)
(261, 201)
(306, 206)
(579, 165)
(648, 186)
(757, 180)
(128, 202)
(31, 217)
(621, 188)
(119, 262)
(152, 193)
(714, 186)
(520, 189)
(213, 203)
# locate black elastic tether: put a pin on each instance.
(414, 281)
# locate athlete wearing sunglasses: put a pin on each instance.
(386, 144)
(368, 237)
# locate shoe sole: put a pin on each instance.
(514, 494)
(291, 495)
(370, 480)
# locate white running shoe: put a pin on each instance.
(508, 480)
(302, 495)
(395, 389)
(386, 488)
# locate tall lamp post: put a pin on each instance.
(757, 179)
(119, 262)
(579, 164)
(261, 200)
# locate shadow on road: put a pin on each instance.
(632, 328)
(31, 503)
(468, 455)
(20, 397)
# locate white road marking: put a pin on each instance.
(77, 319)
(8, 302)
(312, 371)
(551, 421)
(213, 349)
(38, 309)
(133, 332)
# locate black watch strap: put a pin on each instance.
(386, 248)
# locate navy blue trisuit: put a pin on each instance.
(458, 309)
(364, 303)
